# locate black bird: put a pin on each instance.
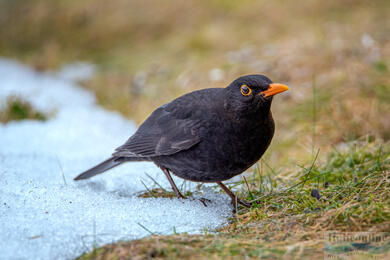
(208, 135)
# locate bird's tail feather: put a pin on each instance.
(100, 168)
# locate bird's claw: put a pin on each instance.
(244, 203)
(204, 200)
(180, 196)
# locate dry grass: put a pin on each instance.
(353, 187)
(221, 246)
(160, 193)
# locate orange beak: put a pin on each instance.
(273, 89)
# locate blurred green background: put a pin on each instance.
(333, 54)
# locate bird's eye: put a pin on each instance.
(245, 90)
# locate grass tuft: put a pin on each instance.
(346, 190)
(17, 109)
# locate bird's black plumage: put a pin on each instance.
(208, 135)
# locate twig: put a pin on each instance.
(152, 233)
(149, 191)
(62, 170)
(155, 181)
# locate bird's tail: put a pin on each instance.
(100, 168)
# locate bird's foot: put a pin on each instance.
(180, 196)
(234, 198)
(244, 203)
(204, 200)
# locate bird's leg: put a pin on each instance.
(234, 197)
(173, 185)
(204, 201)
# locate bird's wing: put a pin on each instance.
(165, 132)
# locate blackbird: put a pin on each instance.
(209, 135)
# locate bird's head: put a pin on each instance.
(252, 94)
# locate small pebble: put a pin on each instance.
(316, 194)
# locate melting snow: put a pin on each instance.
(44, 214)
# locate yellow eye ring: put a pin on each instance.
(245, 90)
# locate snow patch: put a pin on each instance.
(43, 212)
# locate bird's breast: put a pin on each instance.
(237, 145)
(227, 148)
